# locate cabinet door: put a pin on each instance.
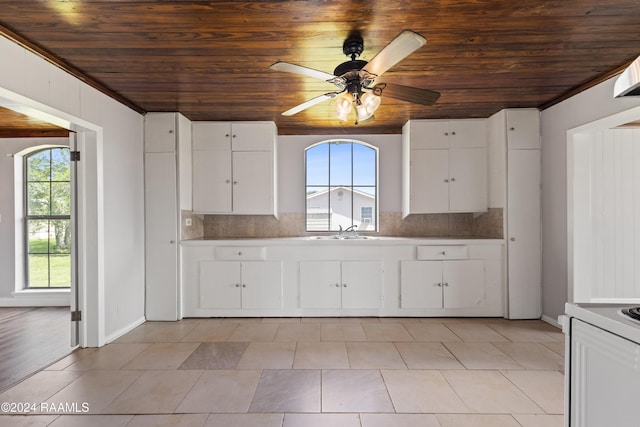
(160, 133)
(211, 136)
(361, 284)
(523, 129)
(468, 133)
(429, 181)
(220, 284)
(161, 225)
(524, 244)
(421, 284)
(463, 285)
(468, 180)
(252, 136)
(429, 134)
(320, 284)
(212, 181)
(253, 182)
(261, 284)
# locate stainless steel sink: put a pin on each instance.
(338, 237)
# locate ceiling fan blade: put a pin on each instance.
(299, 69)
(310, 103)
(408, 93)
(398, 49)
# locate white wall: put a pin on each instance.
(590, 105)
(117, 173)
(291, 179)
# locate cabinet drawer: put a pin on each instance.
(250, 253)
(443, 252)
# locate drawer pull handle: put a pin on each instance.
(438, 285)
(239, 253)
(446, 284)
(244, 286)
(337, 285)
(237, 285)
(344, 285)
(444, 252)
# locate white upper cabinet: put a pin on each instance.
(234, 168)
(430, 134)
(523, 129)
(160, 133)
(444, 166)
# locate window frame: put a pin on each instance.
(51, 217)
(352, 187)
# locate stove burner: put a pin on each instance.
(633, 312)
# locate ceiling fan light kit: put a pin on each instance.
(356, 79)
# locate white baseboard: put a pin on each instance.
(551, 321)
(120, 332)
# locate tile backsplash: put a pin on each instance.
(488, 225)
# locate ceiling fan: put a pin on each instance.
(357, 80)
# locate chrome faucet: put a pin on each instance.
(340, 231)
(352, 229)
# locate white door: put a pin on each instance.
(468, 180)
(523, 244)
(429, 181)
(220, 284)
(361, 284)
(463, 283)
(320, 284)
(421, 284)
(212, 181)
(261, 284)
(161, 228)
(253, 182)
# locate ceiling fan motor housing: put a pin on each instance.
(353, 46)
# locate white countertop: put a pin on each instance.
(375, 240)
(607, 317)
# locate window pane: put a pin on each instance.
(38, 236)
(364, 165)
(60, 164)
(317, 161)
(60, 267)
(39, 166)
(340, 205)
(60, 236)
(60, 198)
(340, 164)
(364, 208)
(38, 198)
(317, 209)
(38, 271)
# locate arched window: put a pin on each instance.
(341, 186)
(47, 208)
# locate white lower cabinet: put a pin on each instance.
(234, 285)
(442, 284)
(340, 284)
(384, 277)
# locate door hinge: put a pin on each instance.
(75, 156)
(76, 316)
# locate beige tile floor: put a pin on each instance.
(364, 372)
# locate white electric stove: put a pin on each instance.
(602, 366)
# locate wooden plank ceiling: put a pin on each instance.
(210, 59)
(17, 125)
